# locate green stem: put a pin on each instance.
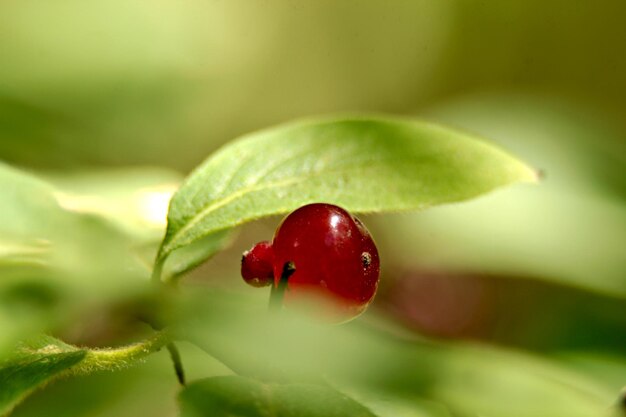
(122, 357)
(171, 347)
(278, 291)
(178, 364)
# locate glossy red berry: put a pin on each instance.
(330, 254)
(257, 265)
(333, 254)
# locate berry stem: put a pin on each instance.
(278, 291)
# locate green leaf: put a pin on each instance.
(29, 213)
(362, 164)
(31, 366)
(543, 233)
(245, 397)
(389, 405)
(56, 262)
(63, 253)
(139, 390)
(40, 360)
(468, 379)
(188, 257)
(36, 230)
(570, 230)
(609, 368)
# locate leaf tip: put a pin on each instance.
(528, 174)
(533, 176)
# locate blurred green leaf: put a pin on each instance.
(468, 379)
(56, 262)
(571, 230)
(135, 199)
(36, 230)
(39, 360)
(29, 212)
(547, 233)
(363, 164)
(608, 368)
(481, 380)
(388, 404)
(245, 397)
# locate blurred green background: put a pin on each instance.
(115, 101)
(162, 82)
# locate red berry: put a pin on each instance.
(257, 265)
(334, 256)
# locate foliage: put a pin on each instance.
(238, 396)
(74, 245)
(364, 165)
(37, 361)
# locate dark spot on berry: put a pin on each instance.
(366, 259)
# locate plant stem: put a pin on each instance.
(122, 357)
(171, 347)
(178, 364)
(278, 291)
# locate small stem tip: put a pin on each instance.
(278, 291)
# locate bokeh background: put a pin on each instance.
(93, 93)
